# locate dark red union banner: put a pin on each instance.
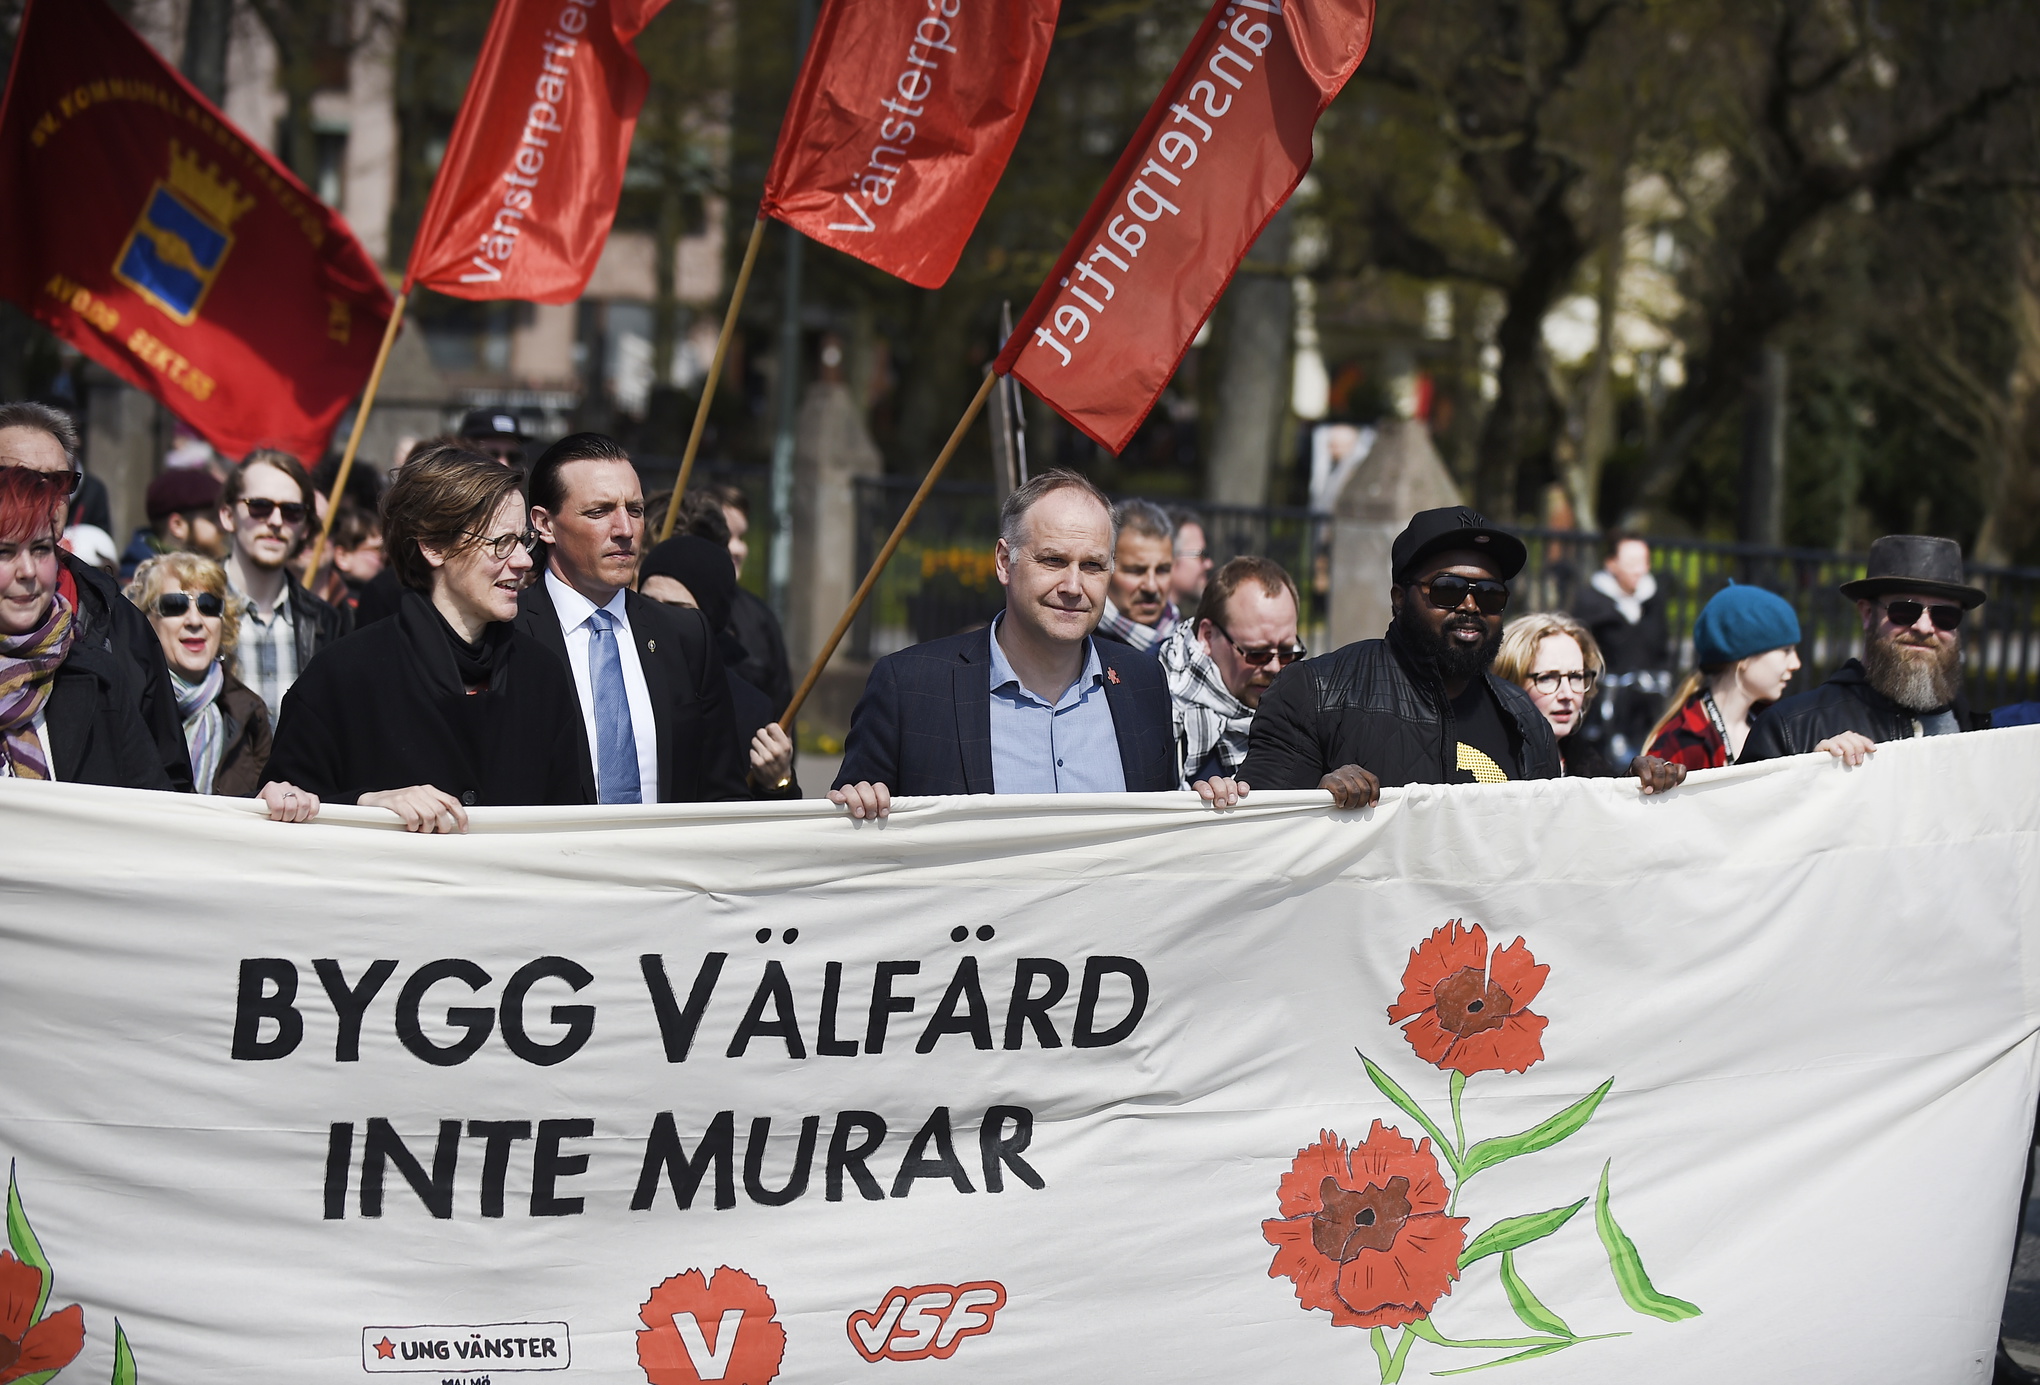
(901, 124)
(1222, 148)
(147, 231)
(527, 192)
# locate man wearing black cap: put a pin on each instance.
(1419, 706)
(494, 433)
(183, 508)
(1908, 683)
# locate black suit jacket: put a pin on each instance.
(699, 758)
(924, 723)
(97, 733)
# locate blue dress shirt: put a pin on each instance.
(1067, 747)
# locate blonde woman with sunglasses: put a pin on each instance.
(197, 619)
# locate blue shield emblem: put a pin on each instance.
(182, 237)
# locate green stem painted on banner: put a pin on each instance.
(1379, 1342)
(1392, 1372)
(1459, 1136)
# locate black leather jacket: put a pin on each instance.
(108, 622)
(1371, 704)
(1846, 702)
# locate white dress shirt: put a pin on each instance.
(574, 610)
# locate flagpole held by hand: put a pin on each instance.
(722, 348)
(382, 358)
(899, 532)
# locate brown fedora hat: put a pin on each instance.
(1915, 563)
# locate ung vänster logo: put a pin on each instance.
(463, 1349)
(182, 236)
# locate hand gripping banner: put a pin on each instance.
(901, 124)
(148, 232)
(1220, 151)
(1732, 1084)
(523, 202)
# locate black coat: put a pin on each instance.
(108, 622)
(379, 598)
(753, 710)
(765, 665)
(924, 723)
(314, 624)
(698, 756)
(1845, 702)
(96, 732)
(1369, 705)
(385, 709)
(1627, 648)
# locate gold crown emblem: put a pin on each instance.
(201, 184)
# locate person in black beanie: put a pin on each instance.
(444, 706)
(691, 571)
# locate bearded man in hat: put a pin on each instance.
(1912, 599)
(1418, 706)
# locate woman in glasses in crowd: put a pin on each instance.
(1552, 657)
(444, 706)
(66, 712)
(198, 621)
(1746, 643)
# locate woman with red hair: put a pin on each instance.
(61, 712)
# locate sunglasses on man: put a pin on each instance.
(171, 605)
(1258, 656)
(260, 509)
(1447, 591)
(1906, 614)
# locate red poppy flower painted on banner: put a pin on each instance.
(28, 1347)
(1466, 1011)
(1363, 1232)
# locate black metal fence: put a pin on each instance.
(941, 581)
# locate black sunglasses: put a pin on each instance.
(260, 508)
(1905, 614)
(170, 605)
(1447, 591)
(1258, 657)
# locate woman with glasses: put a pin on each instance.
(66, 708)
(1746, 645)
(197, 619)
(444, 706)
(1552, 657)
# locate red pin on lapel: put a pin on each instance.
(1112, 675)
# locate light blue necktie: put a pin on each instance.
(616, 765)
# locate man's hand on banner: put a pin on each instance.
(1352, 787)
(288, 802)
(1852, 748)
(1221, 793)
(866, 800)
(422, 807)
(1657, 776)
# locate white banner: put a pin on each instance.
(1735, 1084)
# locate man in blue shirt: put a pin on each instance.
(1033, 704)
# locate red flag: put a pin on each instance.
(1222, 148)
(527, 191)
(901, 124)
(151, 234)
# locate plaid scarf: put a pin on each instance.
(1141, 637)
(28, 667)
(204, 723)
(1208, 717)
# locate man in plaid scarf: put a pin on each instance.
(1220, 663)
(1138, 611)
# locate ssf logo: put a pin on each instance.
(926, 1320)
(721, 1329)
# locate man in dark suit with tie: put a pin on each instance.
(655, 707)
(1033, 704)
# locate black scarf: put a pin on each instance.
(449, 662)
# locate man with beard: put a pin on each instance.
(1909, 681)
(1419, 706)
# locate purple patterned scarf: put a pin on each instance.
(1141, 637)
(28, 667)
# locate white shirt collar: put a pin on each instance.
(574, 608)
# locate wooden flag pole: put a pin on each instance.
(722, 349)
(382, 358)
(899, 532)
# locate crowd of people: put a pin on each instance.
(490, 632)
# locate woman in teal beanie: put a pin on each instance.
(1746, 644)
